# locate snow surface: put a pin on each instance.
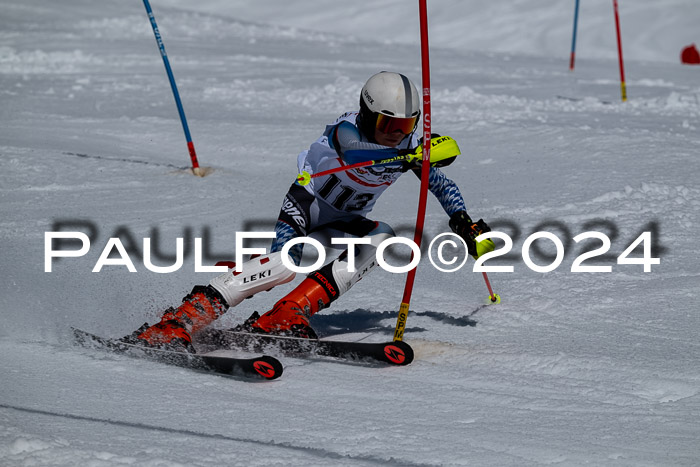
(570, 369)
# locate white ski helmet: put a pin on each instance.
(389, 102)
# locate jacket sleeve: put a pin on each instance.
(445, 190)
(346, 140)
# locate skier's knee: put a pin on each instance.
(382, 228)
(345, 271)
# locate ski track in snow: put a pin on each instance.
(570, 369)
(39, 451)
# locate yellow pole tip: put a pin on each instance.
(495, 300)
(304, 178)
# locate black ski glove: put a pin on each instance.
(462, 225)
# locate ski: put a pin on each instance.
(265, 366)
(391, 352)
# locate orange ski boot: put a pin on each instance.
(175, 329)
(290, 315)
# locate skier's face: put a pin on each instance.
(388, 139)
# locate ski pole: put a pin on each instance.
(443, 152)
(159, 40)
(493, 297)
(425, 169)
(305, 177)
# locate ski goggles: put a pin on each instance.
(388, 124)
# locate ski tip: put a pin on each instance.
(398, 353)
(82, 338)
(268, 367)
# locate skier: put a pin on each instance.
(384, 126)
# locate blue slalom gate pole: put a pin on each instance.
(573, 39)
(181, 111)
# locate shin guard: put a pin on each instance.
(259, 274)
(364, 261)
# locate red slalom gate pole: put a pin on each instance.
(425, 170)
(623, 86)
